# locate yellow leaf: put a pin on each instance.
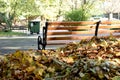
(117, 53)
(31, 69)
(116, 78)
(68, 59)
(100, 75)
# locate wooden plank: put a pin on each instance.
(110, 22)
(100, 31)
(117, 36)
(82, 27)
(109, 26)
(82, 37)
(70, 27)
(61, 42)
(69, 38)
(104, 31)
(64, 43)
(56, 43)
(71, 32)
(73, 23)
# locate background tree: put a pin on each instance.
(14, 9)
(49, 9)
(5, 15)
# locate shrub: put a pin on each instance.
(77, 15)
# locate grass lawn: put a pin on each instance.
(10, 33)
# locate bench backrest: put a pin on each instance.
(61, 33)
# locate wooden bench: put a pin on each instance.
(62, 33)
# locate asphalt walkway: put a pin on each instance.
(11, 44)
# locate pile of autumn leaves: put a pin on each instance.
(95, 59)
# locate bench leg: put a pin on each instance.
(40, 45)
(43, 47)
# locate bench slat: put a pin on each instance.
(69, 38)
(101, 31)
(109, 26)
(82, 27)
(56, 43)
(64, 43)
(70, 27)
(110, 22)
(70, 32)
(106, 31)
(73, 23)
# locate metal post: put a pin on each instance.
(97, 27)
(45, 35)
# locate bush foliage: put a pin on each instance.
(77, 15)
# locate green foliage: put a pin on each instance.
(50, 9)
(116, 78)
(82, 13)
(77, 15)
(28, 7)
(12, 10)
(20, 7)
(6, 18)
(2, 5)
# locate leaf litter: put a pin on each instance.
(94, 59)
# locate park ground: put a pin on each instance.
(10, 44)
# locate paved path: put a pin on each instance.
(11, 44)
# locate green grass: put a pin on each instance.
(10, 33)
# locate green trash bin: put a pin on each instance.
(34, 27)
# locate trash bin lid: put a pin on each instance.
(34, 21)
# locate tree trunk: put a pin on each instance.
(84, 1)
